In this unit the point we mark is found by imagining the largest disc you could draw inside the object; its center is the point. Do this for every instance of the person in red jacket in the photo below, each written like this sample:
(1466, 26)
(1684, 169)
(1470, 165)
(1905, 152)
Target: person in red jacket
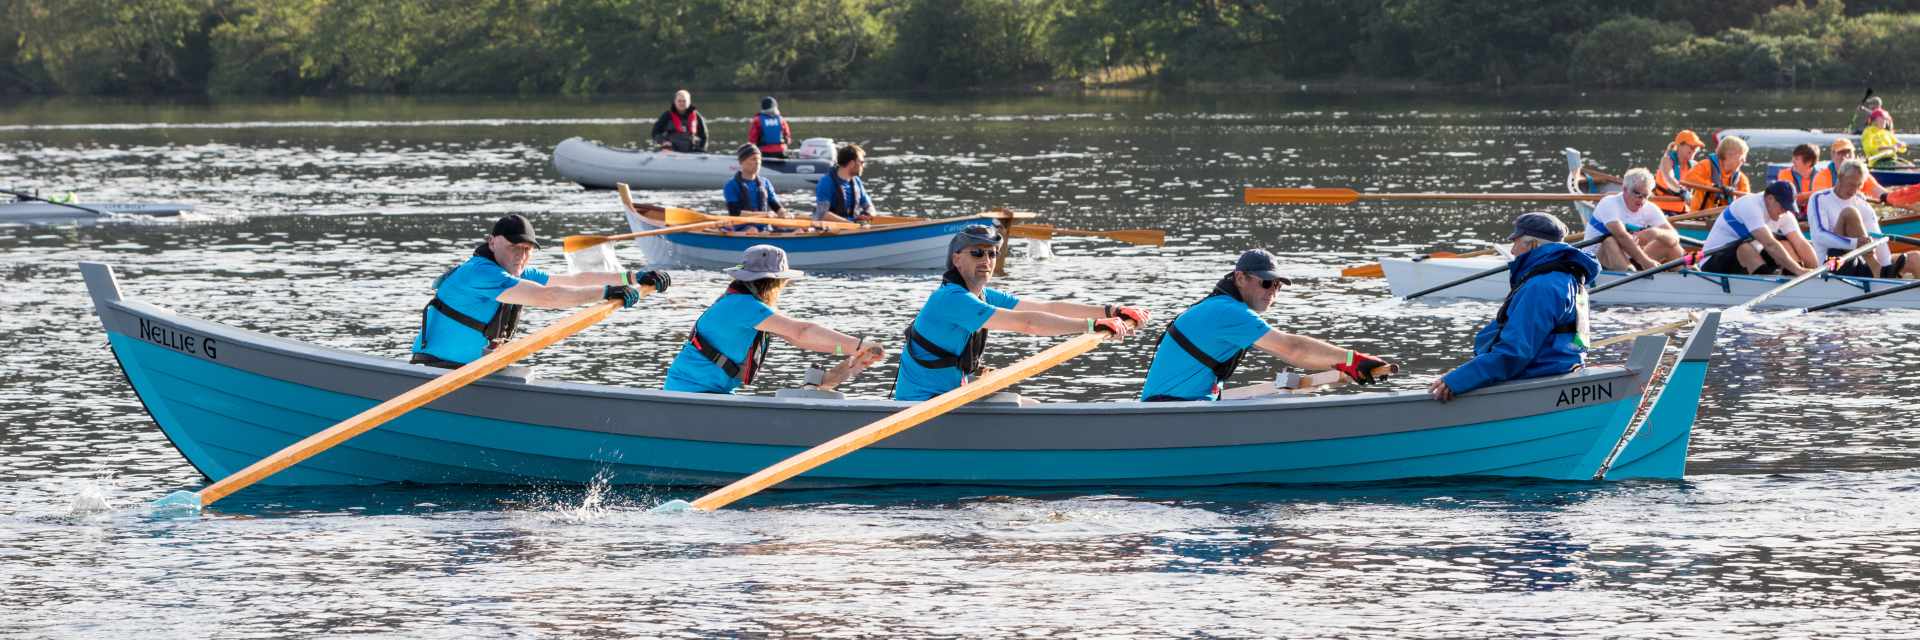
(768, 131)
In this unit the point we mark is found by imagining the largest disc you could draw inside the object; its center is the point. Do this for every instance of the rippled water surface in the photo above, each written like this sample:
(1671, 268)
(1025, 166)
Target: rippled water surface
(323, 221)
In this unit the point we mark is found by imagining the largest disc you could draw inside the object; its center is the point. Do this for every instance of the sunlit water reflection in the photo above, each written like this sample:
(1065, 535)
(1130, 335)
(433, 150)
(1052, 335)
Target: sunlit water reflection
(323, 222)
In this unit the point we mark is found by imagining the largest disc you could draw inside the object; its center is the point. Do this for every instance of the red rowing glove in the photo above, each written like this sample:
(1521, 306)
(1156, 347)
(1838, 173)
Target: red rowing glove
(1109, 325)
(1360, 366)
(1138, 316)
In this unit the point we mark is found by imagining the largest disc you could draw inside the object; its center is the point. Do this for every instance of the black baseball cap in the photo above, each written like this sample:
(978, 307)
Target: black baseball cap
(1785, 195)
(516, 229)
(1260, 264)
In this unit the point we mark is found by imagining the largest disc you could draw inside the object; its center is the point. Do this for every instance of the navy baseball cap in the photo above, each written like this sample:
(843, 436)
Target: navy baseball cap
(1783, 193)
(1538, 225)
(516, 229)
(1260, 264)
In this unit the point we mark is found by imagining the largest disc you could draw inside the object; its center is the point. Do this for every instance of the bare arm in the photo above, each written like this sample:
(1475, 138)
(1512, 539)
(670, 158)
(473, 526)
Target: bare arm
(809, 336)
(1622, 239)
(587, 279)
(1301, 351)
(1782, 255)
(1063, 308)
(534, 294)
(1036, 323)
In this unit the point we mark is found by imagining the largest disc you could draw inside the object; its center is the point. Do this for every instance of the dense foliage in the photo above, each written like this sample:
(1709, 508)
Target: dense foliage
(582, 47)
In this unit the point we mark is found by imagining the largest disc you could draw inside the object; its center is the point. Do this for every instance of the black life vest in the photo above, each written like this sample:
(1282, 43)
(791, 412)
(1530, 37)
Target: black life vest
(756, 350)
(839, 204)
(968, 360)
(1222, 369)
(497, 329)
(1569, 267)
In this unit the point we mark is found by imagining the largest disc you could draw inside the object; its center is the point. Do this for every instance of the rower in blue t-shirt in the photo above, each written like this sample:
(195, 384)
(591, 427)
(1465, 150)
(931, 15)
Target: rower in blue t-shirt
(841, 196)
(946, 340)
(729, 341)
(1204, 345)
(476, 305)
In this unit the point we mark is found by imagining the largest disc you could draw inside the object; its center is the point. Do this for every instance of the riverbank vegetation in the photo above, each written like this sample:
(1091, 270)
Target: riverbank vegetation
(586, 47)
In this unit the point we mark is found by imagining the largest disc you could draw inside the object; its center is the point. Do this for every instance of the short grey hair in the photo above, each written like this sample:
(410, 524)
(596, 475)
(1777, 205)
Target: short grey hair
(1533, 242)
(1849, 168)
(1637, 176)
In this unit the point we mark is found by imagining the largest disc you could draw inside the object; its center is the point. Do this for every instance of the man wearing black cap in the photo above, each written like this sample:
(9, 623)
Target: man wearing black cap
(947, 339)
(1204, 345)
(1768, 232)
(1541, 328)
(476, 305)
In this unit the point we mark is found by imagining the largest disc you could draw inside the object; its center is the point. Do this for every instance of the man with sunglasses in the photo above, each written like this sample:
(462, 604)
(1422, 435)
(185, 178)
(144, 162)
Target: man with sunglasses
(1637, 233)
(946, 340)
(1541, 328)
(1204, 345)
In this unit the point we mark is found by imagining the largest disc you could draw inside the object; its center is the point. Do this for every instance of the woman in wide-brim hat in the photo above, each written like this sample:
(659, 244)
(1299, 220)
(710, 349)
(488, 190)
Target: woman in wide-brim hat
(728, 344)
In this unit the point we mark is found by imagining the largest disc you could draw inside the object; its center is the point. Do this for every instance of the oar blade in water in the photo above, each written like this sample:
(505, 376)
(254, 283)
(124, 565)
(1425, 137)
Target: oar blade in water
(177, 502)
(672, 506)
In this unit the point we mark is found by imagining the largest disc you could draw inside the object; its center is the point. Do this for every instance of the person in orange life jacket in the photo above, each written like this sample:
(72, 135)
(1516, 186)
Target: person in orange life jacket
(1841, 151)
(768, 130)
(1840, 220)
(1637, 233)
(1541, 328)
(947, 338)
(841, 196)
(680, 127)
(749, 193)
(1806, 163)
(1767, 232)
(1717, 180)
(729, 341)
(1674, 164)
(1204, 345)
(476, 305)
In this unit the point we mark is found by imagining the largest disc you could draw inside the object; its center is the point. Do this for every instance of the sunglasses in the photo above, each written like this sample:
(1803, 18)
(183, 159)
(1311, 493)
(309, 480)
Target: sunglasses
(1269, 284)
(1640, 194)
(984, 253)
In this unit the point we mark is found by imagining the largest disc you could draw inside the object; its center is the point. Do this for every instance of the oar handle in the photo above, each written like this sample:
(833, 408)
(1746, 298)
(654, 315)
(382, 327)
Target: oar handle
(417, 397)
(892, 424)
(1667, 266)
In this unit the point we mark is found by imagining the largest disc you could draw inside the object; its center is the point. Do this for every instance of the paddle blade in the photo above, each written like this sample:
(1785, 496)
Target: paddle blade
(677, 216)
(1274, 195)
(598, 258)
(576, 243)
(672, 506)
(1904, 197)
(178, 502)
(1146, 237)
(1364, 271)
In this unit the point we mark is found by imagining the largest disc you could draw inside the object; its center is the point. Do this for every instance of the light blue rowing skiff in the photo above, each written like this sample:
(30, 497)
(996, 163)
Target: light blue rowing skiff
(227, 397)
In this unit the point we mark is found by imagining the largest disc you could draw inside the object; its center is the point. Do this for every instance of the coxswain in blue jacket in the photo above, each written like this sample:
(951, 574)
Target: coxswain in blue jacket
(729, 341)
(1203, 346)
(476, 305)
(841, 196)
(768, 129)
(946, 340)
(749, 193)
(680, 127)
(1541, 328)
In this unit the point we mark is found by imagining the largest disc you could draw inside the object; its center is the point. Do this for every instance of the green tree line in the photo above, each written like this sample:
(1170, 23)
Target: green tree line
(586, 47)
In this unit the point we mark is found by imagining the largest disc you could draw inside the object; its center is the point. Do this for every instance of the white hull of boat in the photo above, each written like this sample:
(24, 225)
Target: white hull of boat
(49, 213)
(1674, 289)
(1789, 138)
(599, 167)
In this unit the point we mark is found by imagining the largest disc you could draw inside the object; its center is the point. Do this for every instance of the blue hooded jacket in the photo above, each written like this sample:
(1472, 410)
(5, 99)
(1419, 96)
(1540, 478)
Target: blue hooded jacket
(1526, 346)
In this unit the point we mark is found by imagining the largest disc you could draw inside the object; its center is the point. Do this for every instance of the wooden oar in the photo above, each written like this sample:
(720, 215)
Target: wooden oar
(1482, 274)
(1151, 237)
(1864, 296)
(575, 243)
(679, 216)
(1374, 270)
(68, 205)
(1690, 319)
(1809, 275)
(1334, 195)
(898, 422)
(393, 408)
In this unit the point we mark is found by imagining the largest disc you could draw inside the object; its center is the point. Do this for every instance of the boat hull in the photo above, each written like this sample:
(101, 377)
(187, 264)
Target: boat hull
(1789, 138)
(49, 213)
(227, 397)
(912, 246)
(595, 166)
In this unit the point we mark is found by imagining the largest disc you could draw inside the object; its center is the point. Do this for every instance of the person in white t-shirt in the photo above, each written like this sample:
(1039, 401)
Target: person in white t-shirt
(1841, 219)
(1768, 233)
(1638, 236)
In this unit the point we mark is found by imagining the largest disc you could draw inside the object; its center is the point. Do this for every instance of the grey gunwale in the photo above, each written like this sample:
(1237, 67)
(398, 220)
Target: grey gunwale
(803, 422)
